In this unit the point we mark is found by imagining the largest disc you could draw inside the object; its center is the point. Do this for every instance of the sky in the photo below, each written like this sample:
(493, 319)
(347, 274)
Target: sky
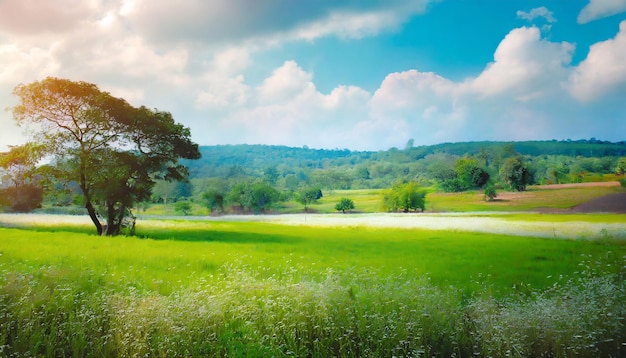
(355, 74)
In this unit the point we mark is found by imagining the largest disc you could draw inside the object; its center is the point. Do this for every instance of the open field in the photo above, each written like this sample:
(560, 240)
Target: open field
(544, 198)
(333, 285)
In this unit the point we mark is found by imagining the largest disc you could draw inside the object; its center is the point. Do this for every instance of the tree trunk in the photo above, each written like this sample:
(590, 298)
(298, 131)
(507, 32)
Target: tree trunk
(114, 219)
(88, 205)
(93, 215)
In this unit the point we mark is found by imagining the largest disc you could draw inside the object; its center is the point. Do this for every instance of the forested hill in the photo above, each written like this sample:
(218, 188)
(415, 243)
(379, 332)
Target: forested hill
(235, 160)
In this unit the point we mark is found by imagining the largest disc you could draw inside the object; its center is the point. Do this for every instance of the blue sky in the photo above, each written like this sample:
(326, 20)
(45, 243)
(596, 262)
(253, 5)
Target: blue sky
(367, 74)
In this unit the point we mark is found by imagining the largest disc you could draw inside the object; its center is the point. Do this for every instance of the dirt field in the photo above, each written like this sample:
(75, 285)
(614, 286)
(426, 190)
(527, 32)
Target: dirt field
(614, 203)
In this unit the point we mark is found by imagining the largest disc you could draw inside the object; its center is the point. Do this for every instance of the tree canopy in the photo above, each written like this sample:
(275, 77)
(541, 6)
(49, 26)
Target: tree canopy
(114, 151)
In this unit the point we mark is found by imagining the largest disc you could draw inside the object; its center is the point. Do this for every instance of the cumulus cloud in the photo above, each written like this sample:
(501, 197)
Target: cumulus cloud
(525, 66)
(604, 69)
(539, 12)
(506, 101)
(597, 9)
(289, 109)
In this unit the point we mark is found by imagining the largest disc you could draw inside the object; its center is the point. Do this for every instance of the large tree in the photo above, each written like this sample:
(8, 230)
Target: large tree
(114, 151)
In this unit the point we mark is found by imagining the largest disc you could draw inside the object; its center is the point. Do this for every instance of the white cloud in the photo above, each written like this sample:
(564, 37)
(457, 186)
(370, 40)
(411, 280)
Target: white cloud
(222, 92)
(525, 66)
(231, 60)
(288, 82)
(542, 12)
(422, 102)
(604, 69)
(597, 9)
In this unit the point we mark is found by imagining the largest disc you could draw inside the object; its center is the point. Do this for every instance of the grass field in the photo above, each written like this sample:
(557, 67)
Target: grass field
(211, 288)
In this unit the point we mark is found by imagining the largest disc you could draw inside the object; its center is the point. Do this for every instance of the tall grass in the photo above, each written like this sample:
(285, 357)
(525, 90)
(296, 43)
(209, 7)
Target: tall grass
(348, 314)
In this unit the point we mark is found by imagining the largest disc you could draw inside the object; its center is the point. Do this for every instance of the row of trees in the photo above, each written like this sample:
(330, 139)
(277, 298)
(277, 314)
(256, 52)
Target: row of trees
(254, 196)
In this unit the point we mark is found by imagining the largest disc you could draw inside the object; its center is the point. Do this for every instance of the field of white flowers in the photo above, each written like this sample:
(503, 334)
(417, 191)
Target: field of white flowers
(579, 227)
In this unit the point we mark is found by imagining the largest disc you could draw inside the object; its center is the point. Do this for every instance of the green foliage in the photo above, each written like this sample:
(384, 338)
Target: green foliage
(490, 192)
(515, 173)
(344, 204)
(621, 166)
(183, 207)
(470, 174)
(113, 150)
(257, 196)
(405, 197)
(308, 195)
(214, 200)
(263, 196)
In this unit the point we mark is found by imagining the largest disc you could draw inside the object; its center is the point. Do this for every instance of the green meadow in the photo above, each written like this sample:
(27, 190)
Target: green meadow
(370, 201)
(211, 288)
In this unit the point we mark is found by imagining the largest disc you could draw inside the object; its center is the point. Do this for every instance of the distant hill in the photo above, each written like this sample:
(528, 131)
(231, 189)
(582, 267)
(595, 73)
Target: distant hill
(585, 148)
(228, 160)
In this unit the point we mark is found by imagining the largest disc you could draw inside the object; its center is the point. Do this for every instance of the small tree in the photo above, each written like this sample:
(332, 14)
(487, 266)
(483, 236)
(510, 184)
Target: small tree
(490, 192)
(344, 204)
(405, 197)
(470, 174)
(308, 196)
(214, 200)
(263, 196)
(515, 173)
